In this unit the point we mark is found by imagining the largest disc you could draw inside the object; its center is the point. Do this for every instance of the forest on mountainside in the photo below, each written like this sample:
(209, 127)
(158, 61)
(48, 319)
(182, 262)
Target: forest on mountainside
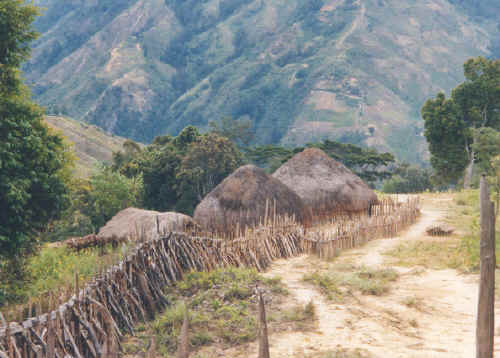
(299, 72)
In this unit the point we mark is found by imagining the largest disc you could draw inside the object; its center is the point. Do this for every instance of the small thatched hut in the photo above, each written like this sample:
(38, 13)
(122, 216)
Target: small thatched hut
(138, 224)
(326, 186)
(241, 199)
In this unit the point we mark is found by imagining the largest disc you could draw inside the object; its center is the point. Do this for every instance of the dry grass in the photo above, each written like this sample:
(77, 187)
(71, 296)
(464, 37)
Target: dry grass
(414, 302)
(435, 254)
(459, 251)
(341, 281)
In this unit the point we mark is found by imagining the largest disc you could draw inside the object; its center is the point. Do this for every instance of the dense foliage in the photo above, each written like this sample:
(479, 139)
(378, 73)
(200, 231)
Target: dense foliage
(33, 161)
(452, 125)
(408, 179)
(178, 172)
(369, 164)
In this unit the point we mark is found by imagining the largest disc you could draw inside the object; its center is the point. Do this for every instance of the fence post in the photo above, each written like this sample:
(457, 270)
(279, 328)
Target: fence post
(183, 350)
(263, 338)
(486, 304)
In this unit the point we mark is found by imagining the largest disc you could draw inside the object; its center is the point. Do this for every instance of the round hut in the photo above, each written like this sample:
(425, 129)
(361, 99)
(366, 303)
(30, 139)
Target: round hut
(326, 186)
(138, 224)
(244, 199)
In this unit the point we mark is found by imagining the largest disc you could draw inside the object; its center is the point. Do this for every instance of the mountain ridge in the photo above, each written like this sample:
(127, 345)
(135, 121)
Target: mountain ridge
(347, 70)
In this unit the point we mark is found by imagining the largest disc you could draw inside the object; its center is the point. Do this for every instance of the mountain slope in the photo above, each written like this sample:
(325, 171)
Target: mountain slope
(90, 144)
(357, 71)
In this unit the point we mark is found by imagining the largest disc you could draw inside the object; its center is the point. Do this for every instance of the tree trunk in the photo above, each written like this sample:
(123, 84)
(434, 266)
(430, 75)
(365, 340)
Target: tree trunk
(469, 171)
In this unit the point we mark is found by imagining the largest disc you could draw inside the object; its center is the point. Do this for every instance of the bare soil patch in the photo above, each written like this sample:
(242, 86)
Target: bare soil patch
(426, 313)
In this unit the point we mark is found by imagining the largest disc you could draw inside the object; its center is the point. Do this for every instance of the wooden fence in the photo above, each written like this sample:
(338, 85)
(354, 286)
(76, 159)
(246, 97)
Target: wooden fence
(385, 220)
(92, 321)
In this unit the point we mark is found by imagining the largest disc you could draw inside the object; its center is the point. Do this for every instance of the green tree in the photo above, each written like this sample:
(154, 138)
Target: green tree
(109, 193)
(179, 171)
(125, 161)
(208, 161)
(408, 179)
(486, 147)
(450, 125)
(369, 164)
(33, 161)
(446, 134)
(159, 165)
(238, 131)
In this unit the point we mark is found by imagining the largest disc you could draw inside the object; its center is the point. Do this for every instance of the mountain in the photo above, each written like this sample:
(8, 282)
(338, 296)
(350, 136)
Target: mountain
(352, 70)
(90, 144)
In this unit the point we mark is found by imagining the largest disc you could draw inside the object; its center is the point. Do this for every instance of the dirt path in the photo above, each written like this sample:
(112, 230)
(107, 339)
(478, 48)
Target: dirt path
(428, 313)
(355, 24)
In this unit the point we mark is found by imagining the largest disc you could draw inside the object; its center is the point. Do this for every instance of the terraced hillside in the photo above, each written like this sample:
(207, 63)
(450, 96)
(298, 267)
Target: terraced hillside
(354, 70)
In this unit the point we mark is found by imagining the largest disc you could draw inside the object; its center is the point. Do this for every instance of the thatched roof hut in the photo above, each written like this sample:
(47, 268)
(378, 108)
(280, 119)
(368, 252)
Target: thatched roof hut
(138, 224)
(326, 186)
(241, 200)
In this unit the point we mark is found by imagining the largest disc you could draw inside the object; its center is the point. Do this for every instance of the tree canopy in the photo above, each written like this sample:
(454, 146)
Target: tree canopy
(367, 163)
(33, 161)
(451, 124)
(177, 172)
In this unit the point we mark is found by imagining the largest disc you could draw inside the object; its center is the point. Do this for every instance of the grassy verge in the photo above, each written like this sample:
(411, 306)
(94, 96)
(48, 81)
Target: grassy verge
(53, 269)
(341, 281)
(460, 251)
(222, 309)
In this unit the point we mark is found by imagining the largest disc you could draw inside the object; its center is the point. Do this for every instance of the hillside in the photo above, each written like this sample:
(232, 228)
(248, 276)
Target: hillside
(351, 70)
(90, 143)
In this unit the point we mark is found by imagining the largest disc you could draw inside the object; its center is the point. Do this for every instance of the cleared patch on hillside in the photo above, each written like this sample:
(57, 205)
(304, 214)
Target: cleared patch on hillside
(90, 143)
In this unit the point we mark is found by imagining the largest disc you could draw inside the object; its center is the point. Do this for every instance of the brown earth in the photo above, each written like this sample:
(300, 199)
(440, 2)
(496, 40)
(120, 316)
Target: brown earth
(427, 313)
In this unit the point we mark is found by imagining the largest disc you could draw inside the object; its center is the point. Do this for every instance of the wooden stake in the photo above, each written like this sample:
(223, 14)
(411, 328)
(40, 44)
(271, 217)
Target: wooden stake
(263, 337)
(485, 328)
(183, 351)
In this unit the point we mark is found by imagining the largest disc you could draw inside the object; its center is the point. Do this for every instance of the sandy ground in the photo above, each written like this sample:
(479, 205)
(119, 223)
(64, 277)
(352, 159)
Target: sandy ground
(441, 324)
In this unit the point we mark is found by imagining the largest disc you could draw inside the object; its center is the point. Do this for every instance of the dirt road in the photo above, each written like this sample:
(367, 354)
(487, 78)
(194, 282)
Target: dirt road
(427, 313)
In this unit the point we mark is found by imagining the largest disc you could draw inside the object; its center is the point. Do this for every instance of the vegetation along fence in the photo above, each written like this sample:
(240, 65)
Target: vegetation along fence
(92, 321)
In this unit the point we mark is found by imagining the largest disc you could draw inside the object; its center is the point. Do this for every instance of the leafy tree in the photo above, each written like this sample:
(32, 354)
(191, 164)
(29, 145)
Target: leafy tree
(494, 180)
(487, 146)
(367, 163)
(16, 34)
(446, 135)
(33, 161)
(109, 193)
(238, 131)
(408, 179)
(270, 157)
(177, 172)
(370, 165)
(208, 161)
(450, 124)
(159, 165)
(124, 161)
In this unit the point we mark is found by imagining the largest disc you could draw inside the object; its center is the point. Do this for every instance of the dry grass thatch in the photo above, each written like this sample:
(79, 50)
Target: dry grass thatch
(246, 198)
(131, 223)
(326, 186)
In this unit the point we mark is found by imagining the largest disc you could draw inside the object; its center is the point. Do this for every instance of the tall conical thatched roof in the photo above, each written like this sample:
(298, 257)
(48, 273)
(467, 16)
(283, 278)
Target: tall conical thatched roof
(241, 200)
(325, 185)
(133, 224)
